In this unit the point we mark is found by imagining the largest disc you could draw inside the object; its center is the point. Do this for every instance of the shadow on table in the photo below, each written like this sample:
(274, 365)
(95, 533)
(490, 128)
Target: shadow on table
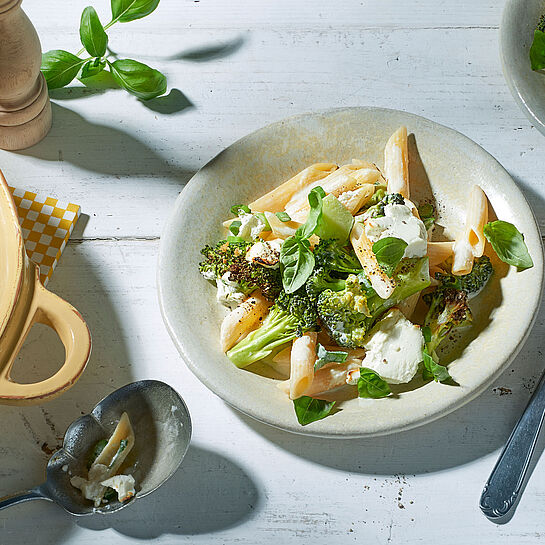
(471, 432)
(207, 494)
(88, 145)
(30, 434)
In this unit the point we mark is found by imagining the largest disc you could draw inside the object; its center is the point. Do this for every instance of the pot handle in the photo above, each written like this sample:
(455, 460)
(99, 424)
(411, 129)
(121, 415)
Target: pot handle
(49, 309)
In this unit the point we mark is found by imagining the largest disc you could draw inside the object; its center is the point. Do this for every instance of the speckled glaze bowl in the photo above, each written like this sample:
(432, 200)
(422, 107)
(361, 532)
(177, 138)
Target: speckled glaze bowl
(442, 161)
(519, 20)
(24, 302)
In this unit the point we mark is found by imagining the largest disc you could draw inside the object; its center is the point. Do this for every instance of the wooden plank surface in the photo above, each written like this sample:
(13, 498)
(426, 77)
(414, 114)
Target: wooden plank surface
(235, 67)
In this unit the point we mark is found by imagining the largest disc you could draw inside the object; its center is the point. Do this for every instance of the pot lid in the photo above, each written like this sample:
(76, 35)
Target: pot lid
(11, 254)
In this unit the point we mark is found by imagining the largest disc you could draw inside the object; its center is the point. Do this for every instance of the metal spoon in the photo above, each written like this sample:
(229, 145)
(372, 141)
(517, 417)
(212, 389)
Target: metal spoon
(162, 429)
(502, 490)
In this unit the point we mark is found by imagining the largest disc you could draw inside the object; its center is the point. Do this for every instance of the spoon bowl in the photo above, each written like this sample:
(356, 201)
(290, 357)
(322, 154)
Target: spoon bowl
(162, 429)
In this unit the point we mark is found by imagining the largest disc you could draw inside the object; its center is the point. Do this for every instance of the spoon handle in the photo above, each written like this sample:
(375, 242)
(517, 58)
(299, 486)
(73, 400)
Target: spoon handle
(506, 480)
(34, 494)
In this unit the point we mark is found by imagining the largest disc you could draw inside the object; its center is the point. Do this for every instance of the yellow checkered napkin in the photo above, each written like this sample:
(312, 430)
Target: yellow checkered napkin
(47, 224)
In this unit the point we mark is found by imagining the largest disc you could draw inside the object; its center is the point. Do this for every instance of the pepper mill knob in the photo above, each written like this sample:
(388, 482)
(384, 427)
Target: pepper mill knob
(25, 110)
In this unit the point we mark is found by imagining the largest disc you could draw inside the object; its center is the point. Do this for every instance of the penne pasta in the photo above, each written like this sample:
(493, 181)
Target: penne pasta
(281, 229)
(471, 242)
(275, 200)
(439, 252)
(355, 199)
(396, 163)
(303, 356)
(381, 282)
(243, 319)
(346, 178)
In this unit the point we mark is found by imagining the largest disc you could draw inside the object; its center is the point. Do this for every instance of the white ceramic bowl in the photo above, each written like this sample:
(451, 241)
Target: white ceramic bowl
(519, 20)
(504, 312)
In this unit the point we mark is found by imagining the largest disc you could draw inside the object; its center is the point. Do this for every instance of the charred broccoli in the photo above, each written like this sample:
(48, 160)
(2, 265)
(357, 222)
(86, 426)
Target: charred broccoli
(321, 280)
(292, 315)
(230, 257)
(332, 256)
(448, 310)
(349, 314)
(471, 283)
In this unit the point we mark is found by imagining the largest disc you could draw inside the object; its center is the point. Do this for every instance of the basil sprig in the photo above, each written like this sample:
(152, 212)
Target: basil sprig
(370, 385)
(328, 356)
(389, 252)
(61, 67)
(308, 409)
(508, 243)
(296, 257)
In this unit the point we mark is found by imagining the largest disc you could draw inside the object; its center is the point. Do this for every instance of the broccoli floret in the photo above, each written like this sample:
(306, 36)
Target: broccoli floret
(378, 195)
(292, 315)
(349, 314)
(230, 256)
(541, 24)
(321, 280)
(332, 256)
(448, 310)
(377, 210)
(471, 283)
(426, 211)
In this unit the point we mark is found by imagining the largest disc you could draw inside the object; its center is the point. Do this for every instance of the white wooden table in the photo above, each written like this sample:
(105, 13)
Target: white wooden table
(241, 65)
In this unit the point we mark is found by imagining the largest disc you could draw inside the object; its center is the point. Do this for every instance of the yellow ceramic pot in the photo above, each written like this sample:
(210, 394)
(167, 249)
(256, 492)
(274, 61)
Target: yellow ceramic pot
(23, 302)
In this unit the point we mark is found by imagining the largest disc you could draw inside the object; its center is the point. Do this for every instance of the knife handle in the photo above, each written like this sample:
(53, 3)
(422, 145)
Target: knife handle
(505, 483)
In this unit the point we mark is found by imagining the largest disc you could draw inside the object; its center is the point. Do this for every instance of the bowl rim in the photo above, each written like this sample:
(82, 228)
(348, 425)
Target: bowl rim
(263, 416)
(11, 238)
(518, 91)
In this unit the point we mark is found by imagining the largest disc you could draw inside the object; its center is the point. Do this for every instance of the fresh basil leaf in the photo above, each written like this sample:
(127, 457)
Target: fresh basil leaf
(125, 11)
(237, 208)
(371, 385)
(328, 356)
(296, 263)
(433, 370)
(308, 409)
(389, 252)
(508, 243)
(92, 67)
(283, 216)
(264, 219)
(138, 79)
(60, 67)
(315, 197)
(91, 33)
(235, 227)
(537, 50)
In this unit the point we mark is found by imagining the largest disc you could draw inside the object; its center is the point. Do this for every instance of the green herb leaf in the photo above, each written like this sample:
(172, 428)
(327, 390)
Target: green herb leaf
(125, 11)
(95, 452)
(283, 216)
(92, 67)
(60, 67)
(264, 219)
(371, 385)
(235, 239)
(433, 370)
(138, 78)
(91, 33)
(296, 263)
(537, 50)
(235, 227)
(508, 243)
(328, 356)
(237, 208)
(389, 252)
(315, 214)
(308, 409)
(426, 212)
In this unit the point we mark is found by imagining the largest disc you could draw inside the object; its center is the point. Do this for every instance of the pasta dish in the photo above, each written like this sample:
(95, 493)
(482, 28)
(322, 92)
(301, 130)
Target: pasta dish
(321, 277)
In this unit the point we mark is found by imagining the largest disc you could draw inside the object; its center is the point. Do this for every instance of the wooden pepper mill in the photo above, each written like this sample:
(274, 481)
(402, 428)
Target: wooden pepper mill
(25, 110)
